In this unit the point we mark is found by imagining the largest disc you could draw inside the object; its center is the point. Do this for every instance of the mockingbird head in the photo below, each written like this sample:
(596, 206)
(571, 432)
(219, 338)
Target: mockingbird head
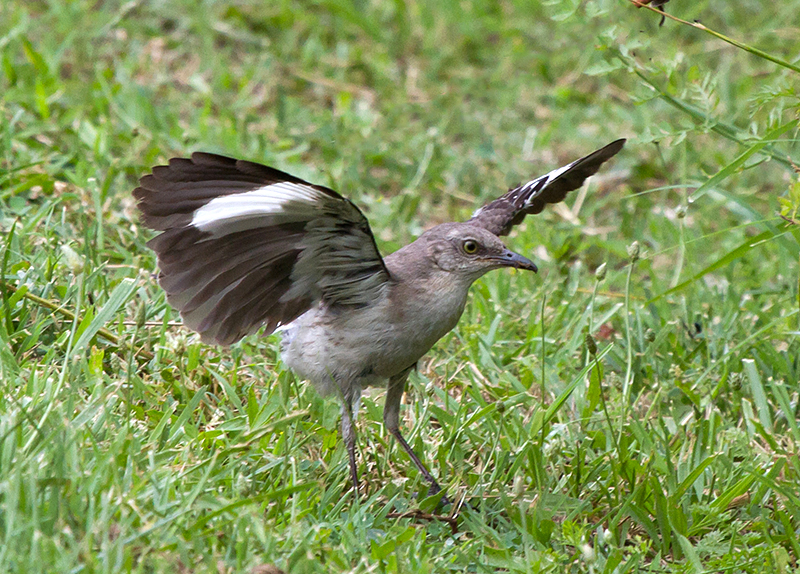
(470, 251)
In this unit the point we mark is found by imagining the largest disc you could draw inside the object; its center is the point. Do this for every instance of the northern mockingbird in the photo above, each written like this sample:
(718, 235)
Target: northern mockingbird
(247, 247)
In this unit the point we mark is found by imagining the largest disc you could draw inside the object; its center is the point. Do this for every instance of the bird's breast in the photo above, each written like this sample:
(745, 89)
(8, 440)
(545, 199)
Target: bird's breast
(420, 315)
(372, 343)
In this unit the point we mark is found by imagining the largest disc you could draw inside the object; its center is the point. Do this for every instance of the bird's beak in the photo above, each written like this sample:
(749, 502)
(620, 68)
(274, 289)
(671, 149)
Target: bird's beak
(517, 261)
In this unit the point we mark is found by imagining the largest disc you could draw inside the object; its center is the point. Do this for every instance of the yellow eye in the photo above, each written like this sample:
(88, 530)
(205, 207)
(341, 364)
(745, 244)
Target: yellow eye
(470, 246)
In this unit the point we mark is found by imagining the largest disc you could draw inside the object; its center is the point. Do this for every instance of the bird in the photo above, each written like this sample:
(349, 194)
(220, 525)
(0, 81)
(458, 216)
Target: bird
(244, 248)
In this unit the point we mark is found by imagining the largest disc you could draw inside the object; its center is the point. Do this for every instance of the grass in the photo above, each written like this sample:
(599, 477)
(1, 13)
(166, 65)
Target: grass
(128, 446)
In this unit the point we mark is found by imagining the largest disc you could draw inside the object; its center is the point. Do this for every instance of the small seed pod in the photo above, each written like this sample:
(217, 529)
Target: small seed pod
(633, 251)
(591, 346)
(72, 259)
(141, 315)
(519, 486)
(600, 272)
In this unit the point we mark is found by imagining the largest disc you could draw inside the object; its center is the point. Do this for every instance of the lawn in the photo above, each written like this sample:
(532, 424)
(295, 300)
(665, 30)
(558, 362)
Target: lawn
(643, 418)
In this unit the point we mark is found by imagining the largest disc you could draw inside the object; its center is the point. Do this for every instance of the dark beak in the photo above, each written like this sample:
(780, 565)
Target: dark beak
(517, 261)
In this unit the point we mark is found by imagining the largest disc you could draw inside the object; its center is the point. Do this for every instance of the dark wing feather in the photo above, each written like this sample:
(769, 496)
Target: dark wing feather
(500, 215)
(245, 245)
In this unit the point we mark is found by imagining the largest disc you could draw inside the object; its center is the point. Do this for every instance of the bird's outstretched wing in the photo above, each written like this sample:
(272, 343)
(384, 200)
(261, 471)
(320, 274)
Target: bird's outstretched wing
(500, 215)
(245, 245)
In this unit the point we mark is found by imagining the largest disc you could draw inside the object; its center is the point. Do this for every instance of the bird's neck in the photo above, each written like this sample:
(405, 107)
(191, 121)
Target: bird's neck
(424, 294)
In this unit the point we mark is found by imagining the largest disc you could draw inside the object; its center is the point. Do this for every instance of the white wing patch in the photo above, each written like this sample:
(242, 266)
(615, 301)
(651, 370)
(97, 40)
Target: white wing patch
(532, 189)
(556, 172)
(502, 214)
(548, 179)
(229, 213)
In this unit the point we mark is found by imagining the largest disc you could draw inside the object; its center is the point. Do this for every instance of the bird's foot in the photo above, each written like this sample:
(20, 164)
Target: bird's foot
(436, 489)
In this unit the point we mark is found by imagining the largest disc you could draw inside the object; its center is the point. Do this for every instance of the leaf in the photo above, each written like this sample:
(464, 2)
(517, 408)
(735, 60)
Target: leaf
(9, 367)
(691, 555)
(734, 166)
(565, 394)
(118, 297)
(690, 480)
(177, 426)
(348, 12)
(729, 257)
(759, 395)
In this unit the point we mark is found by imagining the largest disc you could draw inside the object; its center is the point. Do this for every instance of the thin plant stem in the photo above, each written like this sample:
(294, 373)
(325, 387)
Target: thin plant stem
(607, 416)
(590, 326)
(731, 41)
(676, 276)
(629, 341)
(541, 318)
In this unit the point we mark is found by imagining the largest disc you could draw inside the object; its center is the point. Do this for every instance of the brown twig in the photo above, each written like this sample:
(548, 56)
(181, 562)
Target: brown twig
(419, 515)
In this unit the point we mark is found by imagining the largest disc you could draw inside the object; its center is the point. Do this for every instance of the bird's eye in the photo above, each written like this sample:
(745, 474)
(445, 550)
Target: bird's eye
(470, 246)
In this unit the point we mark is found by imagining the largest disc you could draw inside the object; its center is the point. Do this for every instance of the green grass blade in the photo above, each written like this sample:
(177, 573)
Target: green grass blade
(737, 163)
(728, 258)
(117, 299)
(556, 405)
(759, 395)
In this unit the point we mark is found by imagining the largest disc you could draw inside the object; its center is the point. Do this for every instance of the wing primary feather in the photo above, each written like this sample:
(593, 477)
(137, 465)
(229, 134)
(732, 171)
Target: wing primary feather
(500, 215)
(245, 245)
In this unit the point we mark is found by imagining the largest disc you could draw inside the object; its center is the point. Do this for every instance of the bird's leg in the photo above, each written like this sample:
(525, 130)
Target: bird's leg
(349, 435)
(391, 419)
(350, 395)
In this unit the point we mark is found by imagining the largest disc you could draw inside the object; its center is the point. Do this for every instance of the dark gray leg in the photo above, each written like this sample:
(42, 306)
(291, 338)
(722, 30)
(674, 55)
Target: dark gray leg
(349, 435)
(391, 419)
